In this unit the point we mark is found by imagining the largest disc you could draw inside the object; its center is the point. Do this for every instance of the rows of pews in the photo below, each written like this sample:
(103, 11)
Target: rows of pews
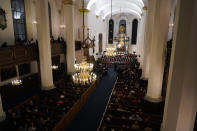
(119, 59)
(125, 110)
(50, 110)
(12, 95)
(46, 109)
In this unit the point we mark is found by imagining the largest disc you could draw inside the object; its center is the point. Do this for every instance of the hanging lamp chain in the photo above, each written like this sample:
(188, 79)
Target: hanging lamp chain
(111, 9)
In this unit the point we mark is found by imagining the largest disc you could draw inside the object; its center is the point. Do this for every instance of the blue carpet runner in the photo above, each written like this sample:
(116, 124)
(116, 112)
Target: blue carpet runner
(90, 115)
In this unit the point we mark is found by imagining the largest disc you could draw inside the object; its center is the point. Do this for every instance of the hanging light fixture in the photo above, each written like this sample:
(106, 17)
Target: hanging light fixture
(17, 82)
(54, 67)
(110, 51)
(84, 74)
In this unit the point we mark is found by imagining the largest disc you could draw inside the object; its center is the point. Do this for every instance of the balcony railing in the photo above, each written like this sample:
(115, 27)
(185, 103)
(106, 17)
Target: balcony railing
(14, 55)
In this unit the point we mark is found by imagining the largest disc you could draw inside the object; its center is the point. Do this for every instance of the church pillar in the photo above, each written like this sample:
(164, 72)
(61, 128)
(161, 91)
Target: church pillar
(44, 44)
(148, 38)
(180, 104)
(70, 37)
(2, 113)
(159, 39)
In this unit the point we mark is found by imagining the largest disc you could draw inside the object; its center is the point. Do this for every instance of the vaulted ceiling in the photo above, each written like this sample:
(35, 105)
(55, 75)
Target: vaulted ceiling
(103, 7)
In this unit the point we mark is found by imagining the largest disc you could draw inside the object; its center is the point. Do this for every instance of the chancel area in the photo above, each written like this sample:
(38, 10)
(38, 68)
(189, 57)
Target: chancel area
(98, 65)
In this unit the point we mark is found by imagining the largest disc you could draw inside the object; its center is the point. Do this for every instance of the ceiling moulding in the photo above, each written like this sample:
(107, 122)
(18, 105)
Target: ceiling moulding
(145, 8)
(68, 2)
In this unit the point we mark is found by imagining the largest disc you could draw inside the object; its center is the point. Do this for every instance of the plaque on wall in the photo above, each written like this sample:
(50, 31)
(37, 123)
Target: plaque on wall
(100, 42)
(3, 22)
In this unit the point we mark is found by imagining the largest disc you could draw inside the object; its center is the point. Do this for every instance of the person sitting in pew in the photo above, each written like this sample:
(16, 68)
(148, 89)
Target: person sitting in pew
(135, 126)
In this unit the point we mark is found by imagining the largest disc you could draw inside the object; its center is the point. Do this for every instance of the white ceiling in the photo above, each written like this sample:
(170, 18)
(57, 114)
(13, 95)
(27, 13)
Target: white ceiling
(103, 7)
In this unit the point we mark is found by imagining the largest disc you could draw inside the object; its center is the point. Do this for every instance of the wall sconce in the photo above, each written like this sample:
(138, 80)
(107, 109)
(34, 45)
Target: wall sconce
(171, 25)
(62, 26)
(34, 22)
(54, 67)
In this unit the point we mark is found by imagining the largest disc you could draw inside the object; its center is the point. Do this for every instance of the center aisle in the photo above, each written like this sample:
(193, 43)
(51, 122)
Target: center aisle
(90, 115)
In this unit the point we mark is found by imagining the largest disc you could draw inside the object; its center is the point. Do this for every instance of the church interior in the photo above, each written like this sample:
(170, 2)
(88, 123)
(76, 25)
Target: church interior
(98, 65)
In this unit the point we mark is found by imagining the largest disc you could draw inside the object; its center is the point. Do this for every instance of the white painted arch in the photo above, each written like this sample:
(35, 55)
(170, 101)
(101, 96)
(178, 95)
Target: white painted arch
(103, 7)
(125, 10)
(140, 3)
(116, 5)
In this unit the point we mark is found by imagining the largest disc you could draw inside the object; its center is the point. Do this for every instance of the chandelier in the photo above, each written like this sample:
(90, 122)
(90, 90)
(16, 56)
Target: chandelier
(84, 74)
(16, 82)
(84, 66)
(110, 51)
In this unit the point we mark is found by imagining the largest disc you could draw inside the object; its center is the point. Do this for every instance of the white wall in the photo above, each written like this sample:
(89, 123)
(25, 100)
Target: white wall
(96, 26)
(7, 35)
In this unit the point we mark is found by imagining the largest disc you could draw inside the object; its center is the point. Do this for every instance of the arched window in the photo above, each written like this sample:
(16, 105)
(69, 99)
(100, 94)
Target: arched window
(19, 23)
(134, 32)
(111, 31)
(50, 23)
(123, 24)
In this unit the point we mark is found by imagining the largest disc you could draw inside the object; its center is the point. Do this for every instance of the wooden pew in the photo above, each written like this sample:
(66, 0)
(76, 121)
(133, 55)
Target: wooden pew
(65, 121)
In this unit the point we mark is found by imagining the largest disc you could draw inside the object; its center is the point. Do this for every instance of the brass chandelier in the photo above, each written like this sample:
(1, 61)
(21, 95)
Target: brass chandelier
(110, 51)
(84, 74)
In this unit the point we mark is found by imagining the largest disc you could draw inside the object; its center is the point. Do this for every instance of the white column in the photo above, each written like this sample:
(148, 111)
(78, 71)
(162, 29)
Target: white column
(70, 37)
(141, 39)
(2, 113)
(157, 59)
(180, 106)
(44, 44)
(148, 38)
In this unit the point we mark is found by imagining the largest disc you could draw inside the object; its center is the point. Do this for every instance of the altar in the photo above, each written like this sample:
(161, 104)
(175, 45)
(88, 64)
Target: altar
(121, 40)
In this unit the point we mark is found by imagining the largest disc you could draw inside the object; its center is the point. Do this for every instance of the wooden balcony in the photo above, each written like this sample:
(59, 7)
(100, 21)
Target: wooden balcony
(14, 55)
(58, 48)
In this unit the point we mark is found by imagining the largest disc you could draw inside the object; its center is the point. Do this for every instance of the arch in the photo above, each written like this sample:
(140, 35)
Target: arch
(140, 3)
(90, 3)
(117, 5)
(125, 10)
(122, 23)
(134, 32)
(111, 31)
